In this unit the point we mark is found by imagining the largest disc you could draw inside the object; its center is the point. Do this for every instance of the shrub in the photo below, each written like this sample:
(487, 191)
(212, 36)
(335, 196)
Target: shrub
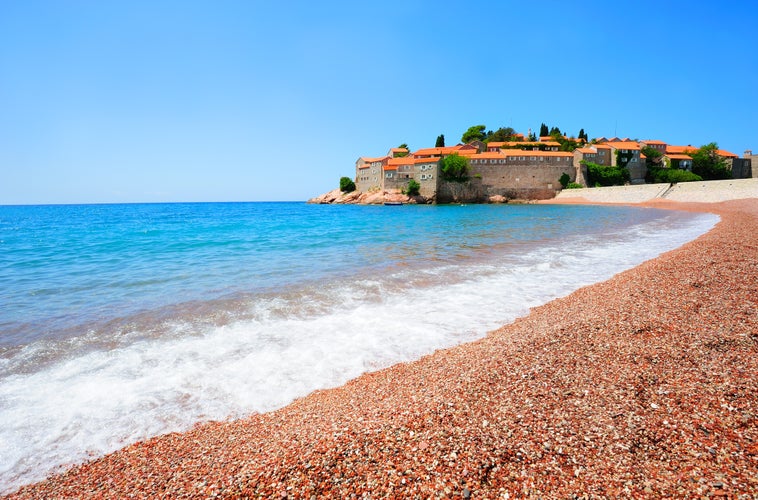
(574, 185)
(600, 175)
(670, 175)
(347, 185)
(564, 180)
(413, 188)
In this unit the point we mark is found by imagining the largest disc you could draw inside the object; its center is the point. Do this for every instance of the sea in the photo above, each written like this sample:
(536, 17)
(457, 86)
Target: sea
(123, 322)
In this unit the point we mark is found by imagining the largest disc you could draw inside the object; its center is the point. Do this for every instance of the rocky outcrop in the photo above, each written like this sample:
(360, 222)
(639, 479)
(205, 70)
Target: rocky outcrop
(371, 198)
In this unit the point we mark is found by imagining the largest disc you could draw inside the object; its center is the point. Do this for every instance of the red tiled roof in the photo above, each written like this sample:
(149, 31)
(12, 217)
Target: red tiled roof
(372, 160)
(400, 161)
(624, 145)
(680, 149)
(488, 155)
(519, 152)
(676, 156)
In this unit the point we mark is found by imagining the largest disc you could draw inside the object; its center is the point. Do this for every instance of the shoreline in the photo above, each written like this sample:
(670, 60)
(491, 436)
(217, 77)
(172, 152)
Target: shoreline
(645, 384)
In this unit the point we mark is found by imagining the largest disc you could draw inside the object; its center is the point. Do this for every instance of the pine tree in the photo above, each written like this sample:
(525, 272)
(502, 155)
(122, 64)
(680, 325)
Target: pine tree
(544, 130)
(440, 141)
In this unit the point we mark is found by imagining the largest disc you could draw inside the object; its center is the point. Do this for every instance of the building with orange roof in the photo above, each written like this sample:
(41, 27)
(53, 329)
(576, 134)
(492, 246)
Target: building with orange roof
(399, 171)
(444, 151)
(397, 152)
(628, 154)
(659, 146)
(517, 173)
(368, 172)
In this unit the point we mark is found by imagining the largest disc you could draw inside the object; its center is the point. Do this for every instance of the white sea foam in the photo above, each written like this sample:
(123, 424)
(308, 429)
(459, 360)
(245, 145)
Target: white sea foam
(97, 401)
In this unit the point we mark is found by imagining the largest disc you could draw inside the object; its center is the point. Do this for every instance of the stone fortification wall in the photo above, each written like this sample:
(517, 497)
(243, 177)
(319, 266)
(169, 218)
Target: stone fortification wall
(524, 179)
(470, 191)
(474, 191)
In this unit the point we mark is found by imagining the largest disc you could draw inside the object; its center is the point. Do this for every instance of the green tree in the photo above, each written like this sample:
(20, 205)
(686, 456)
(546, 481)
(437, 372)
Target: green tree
(708, 164)
(440, 143)
(583, 135)
(653, 157)
(544, 131)
(555, 131)
(454, 168)
(413, 188)
(503, 134)
(564, 180)
(347, 185)
(475, 133)
(531, 137)
(599, 175)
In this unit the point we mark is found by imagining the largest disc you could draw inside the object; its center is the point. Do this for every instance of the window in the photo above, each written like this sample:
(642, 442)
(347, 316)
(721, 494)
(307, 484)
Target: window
(542, 158)
(533, 158)
(389, 175)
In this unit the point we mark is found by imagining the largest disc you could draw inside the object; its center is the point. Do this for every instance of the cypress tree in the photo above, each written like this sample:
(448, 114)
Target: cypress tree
(440, 141)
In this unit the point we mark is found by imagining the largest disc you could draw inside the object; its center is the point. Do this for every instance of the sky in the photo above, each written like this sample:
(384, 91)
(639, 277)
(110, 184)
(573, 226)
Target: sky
(224, 100)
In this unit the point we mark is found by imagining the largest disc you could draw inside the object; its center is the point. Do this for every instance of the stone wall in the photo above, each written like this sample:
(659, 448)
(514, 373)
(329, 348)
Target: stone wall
(523, 178)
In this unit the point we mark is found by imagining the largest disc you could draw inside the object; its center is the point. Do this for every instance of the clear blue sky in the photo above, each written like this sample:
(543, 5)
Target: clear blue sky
(131, 101)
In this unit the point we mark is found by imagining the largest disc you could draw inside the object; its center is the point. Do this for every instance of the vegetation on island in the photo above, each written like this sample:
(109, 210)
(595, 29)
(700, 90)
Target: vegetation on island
(600, 175)
(708, 164)
(347, 185)
(413, 188)
(657, 174)
(474, 133)
(440, 142)
(564, 180)
(454, 168)
(480, 133)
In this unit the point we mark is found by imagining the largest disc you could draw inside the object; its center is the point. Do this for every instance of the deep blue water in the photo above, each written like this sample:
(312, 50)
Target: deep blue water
(119, 322)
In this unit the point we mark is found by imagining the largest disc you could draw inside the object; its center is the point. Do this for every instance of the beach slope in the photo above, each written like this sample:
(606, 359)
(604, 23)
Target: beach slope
(643, 385)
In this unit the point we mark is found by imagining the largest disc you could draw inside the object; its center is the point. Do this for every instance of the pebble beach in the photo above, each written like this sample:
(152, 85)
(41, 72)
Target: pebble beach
(645, 385)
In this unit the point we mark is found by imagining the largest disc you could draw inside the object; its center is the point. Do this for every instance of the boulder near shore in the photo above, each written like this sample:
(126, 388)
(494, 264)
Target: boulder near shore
(370, 198)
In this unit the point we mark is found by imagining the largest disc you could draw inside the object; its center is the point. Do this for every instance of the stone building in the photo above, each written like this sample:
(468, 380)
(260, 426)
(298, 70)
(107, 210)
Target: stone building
(399, 171)
(626, 153)
(368, 173)
(517, 173)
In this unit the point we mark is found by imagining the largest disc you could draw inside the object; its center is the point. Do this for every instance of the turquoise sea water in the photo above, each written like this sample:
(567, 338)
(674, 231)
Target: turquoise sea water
(119, 322)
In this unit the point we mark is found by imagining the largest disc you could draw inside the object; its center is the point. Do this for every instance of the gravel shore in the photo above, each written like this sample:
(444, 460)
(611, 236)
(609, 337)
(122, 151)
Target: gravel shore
(642, 386)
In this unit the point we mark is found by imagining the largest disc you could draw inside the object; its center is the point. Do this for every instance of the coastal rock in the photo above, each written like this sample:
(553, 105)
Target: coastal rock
(497, 198)
(370, 198)
(325, 198)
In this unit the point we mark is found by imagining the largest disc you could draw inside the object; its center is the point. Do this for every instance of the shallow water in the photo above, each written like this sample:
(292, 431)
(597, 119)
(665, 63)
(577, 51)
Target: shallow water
(120, 322)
